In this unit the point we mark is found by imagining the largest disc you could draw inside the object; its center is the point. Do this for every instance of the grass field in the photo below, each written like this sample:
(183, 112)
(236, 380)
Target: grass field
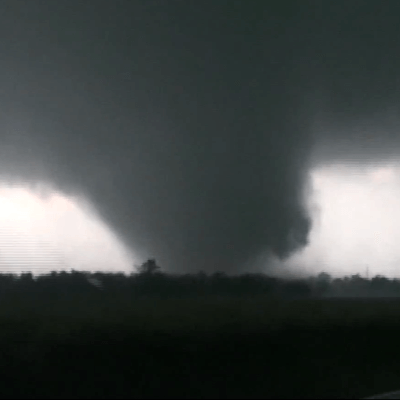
(200, 348)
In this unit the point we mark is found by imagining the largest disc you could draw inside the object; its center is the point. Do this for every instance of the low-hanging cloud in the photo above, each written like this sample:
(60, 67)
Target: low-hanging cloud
(189, 126)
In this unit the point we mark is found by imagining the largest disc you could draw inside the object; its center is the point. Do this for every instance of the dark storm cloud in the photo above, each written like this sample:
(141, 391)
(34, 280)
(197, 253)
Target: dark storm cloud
(187, 124)
(357, 66)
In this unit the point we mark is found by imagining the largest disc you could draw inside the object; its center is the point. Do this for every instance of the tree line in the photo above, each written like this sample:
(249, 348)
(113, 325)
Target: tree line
(150, 280)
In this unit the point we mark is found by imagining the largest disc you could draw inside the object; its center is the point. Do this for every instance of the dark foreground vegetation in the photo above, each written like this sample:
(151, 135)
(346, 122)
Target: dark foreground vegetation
(153, 335)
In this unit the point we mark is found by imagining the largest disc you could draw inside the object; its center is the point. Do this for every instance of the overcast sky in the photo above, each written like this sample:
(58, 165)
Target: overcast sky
(192, 129)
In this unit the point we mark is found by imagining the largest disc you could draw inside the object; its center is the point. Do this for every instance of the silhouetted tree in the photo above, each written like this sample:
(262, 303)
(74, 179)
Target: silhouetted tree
(322, 284)
(149, 267)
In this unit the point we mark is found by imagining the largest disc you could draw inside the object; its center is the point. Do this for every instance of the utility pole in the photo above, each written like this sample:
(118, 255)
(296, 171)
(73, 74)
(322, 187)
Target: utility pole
(367, 272)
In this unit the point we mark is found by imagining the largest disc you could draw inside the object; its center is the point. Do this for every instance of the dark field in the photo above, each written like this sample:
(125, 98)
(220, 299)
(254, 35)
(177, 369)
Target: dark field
(205, 348)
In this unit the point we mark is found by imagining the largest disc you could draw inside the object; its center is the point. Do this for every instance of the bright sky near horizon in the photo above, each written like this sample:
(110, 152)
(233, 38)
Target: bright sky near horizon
(44, 233)
(356, 221)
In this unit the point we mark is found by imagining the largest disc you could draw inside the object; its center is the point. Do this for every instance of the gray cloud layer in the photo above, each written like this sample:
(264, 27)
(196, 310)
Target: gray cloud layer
(190, 125)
